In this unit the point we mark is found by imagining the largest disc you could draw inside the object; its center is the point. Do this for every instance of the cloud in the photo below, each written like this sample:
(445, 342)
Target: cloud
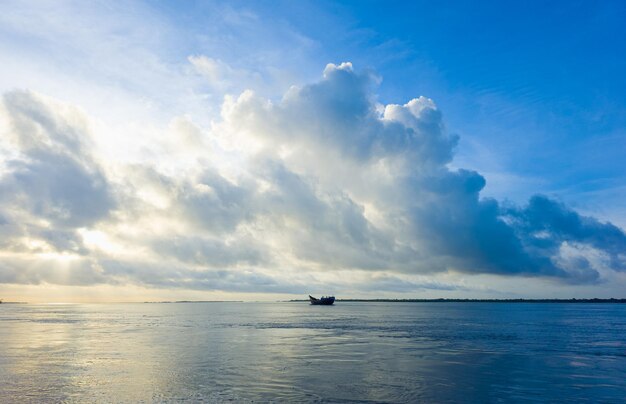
(52, 269)
(276, 196)
(50, 185)
(209, 251)
(394, 163)
(545, 225)
(220, 75)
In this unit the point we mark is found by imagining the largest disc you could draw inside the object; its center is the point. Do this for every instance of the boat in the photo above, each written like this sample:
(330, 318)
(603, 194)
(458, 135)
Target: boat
(324, 300)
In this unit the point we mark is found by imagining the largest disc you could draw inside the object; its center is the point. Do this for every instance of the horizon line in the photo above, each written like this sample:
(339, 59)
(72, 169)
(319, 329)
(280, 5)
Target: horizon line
(374, 300)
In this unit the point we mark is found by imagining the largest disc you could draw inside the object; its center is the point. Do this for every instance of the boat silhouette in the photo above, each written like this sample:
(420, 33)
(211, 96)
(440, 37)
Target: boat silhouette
(324, 300)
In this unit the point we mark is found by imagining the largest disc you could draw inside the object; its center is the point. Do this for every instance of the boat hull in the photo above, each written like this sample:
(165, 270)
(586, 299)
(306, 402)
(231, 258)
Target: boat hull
(324, 301)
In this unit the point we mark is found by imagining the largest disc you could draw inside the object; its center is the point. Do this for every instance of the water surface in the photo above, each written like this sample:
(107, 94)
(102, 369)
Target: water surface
(359, 352)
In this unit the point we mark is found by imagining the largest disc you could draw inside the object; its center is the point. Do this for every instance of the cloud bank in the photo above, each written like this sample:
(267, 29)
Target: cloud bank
(323, 188)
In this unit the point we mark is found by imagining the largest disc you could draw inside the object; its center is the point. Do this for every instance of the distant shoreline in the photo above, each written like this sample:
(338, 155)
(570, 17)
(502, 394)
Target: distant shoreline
(594, 300)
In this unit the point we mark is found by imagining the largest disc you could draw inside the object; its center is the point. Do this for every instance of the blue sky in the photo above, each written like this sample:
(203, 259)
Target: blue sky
(270, 149)
(536, 89)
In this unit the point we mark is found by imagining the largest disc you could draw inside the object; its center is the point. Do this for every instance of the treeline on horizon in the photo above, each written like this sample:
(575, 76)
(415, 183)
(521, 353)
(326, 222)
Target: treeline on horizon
(442, 300)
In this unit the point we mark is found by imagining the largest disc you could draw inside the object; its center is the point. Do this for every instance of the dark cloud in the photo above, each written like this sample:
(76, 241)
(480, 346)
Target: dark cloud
(545, 224)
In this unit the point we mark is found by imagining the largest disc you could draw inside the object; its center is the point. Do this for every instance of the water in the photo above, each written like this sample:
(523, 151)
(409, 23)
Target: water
(294, 352)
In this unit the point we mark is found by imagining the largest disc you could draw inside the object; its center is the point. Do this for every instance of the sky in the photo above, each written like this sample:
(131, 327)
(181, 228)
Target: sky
(273, 149)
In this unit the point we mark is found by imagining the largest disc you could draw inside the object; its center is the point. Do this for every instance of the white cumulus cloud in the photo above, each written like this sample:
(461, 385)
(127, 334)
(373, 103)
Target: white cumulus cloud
(274, 196)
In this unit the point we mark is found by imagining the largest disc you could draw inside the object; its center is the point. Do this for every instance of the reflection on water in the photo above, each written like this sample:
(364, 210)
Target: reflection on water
(377, 352)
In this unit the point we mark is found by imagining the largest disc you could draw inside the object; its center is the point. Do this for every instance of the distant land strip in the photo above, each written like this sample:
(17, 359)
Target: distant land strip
(594, 300)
